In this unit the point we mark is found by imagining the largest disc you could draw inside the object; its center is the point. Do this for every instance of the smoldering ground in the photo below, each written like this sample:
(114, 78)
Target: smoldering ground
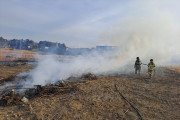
(51, 70)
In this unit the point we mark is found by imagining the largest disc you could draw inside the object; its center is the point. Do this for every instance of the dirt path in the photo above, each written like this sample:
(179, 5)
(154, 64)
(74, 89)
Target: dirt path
(156, 99)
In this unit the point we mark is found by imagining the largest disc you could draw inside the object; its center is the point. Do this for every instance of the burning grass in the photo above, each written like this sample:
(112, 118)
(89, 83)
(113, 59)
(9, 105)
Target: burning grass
(74, 100)
(8, 99)
(96, 97)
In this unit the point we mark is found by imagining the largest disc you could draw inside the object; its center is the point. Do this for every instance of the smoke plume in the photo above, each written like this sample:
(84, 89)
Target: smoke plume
(152, 35)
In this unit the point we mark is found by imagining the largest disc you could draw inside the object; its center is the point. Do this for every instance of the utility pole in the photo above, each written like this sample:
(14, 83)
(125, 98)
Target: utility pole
(20, 49)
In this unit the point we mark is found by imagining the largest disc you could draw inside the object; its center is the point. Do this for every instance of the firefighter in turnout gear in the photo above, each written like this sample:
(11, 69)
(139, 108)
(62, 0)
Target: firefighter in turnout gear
(151, 67)
(137, 65)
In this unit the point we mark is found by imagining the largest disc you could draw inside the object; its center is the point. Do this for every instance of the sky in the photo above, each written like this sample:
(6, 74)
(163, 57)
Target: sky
(86, 23)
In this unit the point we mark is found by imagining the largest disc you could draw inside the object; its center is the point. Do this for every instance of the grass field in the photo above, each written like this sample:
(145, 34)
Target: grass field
(84, 99)
(9, 55)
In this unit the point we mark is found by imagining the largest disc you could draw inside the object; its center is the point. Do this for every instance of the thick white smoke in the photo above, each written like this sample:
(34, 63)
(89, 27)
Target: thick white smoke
(145, 37)
(51, 70)
(150, 33)
(155, 35)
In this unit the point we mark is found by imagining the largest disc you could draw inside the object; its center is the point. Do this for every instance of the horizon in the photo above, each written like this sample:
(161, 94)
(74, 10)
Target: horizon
(82, 23)
(57, 42)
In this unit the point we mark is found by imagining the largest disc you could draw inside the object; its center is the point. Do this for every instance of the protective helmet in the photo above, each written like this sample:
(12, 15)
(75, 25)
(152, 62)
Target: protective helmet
(151, 59)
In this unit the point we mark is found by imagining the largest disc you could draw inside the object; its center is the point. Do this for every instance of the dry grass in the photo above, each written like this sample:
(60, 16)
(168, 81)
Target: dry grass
(8, 71)
(156, 99)
(10, 55)
(174, 68)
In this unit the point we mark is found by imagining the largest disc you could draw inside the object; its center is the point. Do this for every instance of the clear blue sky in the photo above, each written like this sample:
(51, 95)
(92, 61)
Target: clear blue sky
(77, 23)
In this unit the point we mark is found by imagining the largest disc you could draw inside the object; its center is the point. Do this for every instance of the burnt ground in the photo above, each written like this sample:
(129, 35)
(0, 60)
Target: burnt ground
(99, 98)
(8, 72)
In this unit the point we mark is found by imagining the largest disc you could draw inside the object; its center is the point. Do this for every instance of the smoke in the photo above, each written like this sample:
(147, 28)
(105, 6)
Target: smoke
(151, 35)
(51, 70)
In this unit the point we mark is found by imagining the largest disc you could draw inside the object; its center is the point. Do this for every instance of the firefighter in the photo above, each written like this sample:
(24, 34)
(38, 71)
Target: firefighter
(137, 65)
(151, 67)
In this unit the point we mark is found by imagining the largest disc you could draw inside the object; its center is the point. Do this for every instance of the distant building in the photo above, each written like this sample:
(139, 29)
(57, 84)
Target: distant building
(52, 47)
(22, 44)
(78, 51)
(104, 48)
(83, 51)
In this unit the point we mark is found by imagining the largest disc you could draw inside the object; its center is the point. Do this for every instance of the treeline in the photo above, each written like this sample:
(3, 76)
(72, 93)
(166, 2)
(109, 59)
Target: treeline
(27, 44)
(51, 47)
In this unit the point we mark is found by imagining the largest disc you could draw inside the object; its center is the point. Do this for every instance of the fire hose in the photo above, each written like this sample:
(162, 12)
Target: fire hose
(137, 111)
